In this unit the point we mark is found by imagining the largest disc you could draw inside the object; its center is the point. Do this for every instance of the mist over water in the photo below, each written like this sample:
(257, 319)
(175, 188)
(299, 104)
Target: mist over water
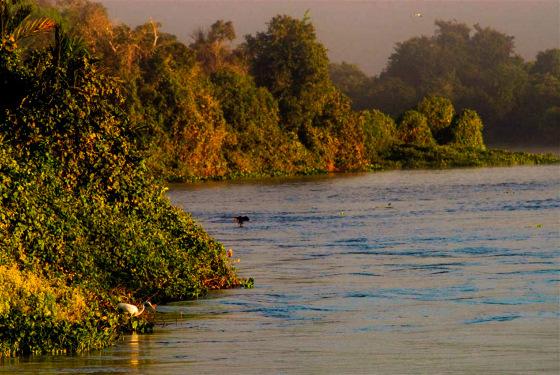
(359, 32)
(459, 274)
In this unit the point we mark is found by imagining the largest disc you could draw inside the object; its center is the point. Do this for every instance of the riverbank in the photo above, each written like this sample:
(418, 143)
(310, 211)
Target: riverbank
(83, 224)
(409, 157)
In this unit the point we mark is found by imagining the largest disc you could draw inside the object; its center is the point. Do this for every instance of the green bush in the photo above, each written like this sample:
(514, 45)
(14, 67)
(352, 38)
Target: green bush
(439, 112)
(380, 132)
(412, 156)
(413, 128)
(466, 130)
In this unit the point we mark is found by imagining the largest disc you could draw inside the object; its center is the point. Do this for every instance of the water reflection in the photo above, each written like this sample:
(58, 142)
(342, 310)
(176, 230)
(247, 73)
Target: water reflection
(459, 274)
(133, 350)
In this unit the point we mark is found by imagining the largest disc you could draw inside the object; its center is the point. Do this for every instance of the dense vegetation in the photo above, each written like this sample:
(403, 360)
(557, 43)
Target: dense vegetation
(269, 105)
(91, 111)
(83, 225)
(479, 69)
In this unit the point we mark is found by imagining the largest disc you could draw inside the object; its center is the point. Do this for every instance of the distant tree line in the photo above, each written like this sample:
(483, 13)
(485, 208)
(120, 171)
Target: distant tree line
(266, 106)
(475, 68)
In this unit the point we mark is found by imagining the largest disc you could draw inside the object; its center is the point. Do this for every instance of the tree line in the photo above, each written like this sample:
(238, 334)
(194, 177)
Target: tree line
(475, 68)
(275, 105)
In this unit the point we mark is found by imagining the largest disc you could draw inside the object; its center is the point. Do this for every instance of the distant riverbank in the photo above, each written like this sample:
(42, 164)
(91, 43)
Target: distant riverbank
(534, 149)
(413, 157)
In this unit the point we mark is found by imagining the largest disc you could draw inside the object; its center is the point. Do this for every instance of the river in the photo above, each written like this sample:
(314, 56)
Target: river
(402, 272)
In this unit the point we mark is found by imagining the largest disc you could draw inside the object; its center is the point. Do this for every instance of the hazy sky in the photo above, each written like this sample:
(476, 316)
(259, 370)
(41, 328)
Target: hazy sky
(360, 32)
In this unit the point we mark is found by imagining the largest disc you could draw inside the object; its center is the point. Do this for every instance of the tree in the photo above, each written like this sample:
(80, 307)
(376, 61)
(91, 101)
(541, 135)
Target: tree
(391, 95)
(349, 79)
(254, 143)
(380, 132)
(18, 23)
(185, 122)
(211, 47)
(412, 128)
(17, 26)
(473, 68)
(534, 118)
(466, 130)
(490, 47)
(548, 62)
(415, 62)
(70, 105)
(288, 60)
(439, 112)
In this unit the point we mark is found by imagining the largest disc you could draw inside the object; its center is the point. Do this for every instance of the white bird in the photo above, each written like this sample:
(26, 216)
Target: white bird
(151, 308)
(133, 310)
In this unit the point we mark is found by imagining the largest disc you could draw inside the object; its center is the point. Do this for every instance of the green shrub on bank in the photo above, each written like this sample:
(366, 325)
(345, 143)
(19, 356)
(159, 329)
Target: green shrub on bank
(412, 128)
(439, 112)
(466, 130)
(81, 217)
(379, 132)
(40, 315)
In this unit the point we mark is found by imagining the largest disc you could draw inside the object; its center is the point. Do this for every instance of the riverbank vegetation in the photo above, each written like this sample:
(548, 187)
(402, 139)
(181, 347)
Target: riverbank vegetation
(473, 67)
(83, 224)
(94, 116)
(275, 105)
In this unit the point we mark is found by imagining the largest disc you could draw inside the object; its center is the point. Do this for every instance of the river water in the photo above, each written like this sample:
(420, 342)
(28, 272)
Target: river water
(404, 272)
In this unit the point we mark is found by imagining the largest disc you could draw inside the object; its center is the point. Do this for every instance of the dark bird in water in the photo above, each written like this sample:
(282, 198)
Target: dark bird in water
(240, 220)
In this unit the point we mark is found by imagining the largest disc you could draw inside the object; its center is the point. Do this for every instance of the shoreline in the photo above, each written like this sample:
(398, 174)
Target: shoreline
(502, 158)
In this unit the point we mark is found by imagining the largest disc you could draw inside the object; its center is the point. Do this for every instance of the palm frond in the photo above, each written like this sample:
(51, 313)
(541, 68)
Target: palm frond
(31, 27)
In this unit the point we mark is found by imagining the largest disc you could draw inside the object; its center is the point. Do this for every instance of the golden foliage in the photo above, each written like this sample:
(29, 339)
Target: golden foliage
(31, 293)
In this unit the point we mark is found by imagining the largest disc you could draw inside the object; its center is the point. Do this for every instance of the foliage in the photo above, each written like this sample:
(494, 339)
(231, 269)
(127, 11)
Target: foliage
(548, 62)
(17, 23)
(439, 112)
(343, 133)
(380, 133)
(255, 143)
(80, 211)
(91, 111)
(46, 316)
(412, 128)
(211, 47)
(448, 156)
(288, 60)
(349, 79)
(535, 117)
(466, 130)
(473, 67)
